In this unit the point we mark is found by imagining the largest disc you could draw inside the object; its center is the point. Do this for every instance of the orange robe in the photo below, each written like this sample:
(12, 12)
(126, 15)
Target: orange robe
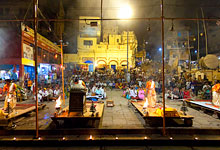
(151, 93)
(6, 89)
(216, 94)
(11, 95)
(216, 88)
(151, 88)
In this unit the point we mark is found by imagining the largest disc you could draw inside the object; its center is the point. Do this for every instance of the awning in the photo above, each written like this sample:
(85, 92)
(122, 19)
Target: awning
(88, 62)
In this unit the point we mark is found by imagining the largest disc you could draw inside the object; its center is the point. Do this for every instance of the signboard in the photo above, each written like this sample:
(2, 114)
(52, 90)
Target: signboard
(27, 62)
(28, 55)
(41, 40)
(28, 52)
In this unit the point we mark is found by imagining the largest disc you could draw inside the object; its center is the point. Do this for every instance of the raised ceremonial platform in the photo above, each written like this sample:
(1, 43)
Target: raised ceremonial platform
(205, 105)
(6, 120)
(154, 116)
(89, 118)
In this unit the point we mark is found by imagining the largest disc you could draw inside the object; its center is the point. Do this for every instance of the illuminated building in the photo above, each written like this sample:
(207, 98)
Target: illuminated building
(20, 44)
(111, 53)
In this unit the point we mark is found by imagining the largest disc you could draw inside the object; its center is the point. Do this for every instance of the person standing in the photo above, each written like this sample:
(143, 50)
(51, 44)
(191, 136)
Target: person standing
(29, 82)
(216, 94)
(10, 99)
(151, 93)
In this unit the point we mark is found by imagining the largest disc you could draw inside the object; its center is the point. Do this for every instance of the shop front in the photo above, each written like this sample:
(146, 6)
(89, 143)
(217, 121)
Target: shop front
(9, 72)
(48, 73)
(27, 61)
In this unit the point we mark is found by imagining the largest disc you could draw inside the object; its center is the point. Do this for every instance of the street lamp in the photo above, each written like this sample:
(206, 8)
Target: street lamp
(125, 12)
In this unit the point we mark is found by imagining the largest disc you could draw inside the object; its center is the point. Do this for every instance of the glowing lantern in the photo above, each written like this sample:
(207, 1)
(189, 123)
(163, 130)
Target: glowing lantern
(58, 103)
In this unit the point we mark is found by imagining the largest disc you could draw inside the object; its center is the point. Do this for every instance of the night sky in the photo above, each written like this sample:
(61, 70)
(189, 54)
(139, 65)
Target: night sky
(141, 9)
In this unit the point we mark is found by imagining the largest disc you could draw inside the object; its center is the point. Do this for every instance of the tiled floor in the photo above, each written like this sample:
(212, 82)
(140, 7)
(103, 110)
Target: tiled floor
(120, 116)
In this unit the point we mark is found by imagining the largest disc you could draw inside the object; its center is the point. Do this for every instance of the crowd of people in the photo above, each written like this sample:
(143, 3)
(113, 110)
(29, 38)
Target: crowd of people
(182, 88)
(97, 83)
(46, 94)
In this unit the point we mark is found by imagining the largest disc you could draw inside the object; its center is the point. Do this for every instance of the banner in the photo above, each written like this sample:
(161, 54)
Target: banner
(28, 52)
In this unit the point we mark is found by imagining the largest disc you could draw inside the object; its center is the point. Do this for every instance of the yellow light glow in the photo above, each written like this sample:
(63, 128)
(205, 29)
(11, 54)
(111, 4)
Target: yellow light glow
(125, 12)
(194, 39)
(90, 137)
(201, 34)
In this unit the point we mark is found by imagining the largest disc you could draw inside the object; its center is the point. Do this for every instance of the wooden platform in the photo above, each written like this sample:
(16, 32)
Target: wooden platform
(20, 109)
(152, 118)
(205, 105)
(66, 119)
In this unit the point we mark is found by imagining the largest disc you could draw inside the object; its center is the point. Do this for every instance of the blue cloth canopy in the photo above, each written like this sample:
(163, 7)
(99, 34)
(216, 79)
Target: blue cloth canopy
(88, 62)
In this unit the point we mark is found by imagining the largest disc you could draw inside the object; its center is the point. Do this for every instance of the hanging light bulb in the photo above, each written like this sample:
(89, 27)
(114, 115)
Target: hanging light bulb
(55, 56)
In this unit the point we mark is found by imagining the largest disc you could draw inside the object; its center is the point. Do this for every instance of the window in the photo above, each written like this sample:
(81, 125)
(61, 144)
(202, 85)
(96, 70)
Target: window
(88, 42)
(93, 24)
(45, 55)
(39, 51)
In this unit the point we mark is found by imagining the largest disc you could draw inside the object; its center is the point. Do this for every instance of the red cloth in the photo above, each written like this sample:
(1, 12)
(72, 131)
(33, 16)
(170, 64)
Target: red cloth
(134, 97)
(186, 94)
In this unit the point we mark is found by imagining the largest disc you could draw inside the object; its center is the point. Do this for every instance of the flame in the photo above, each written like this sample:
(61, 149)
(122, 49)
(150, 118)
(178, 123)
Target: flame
(146, 103)
(58, 102)
(90, 137)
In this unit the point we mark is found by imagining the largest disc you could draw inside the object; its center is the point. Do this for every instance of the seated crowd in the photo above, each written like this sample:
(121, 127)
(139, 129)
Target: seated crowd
(46, 94)
(189, 91)
(99, 91)
(134, 92)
